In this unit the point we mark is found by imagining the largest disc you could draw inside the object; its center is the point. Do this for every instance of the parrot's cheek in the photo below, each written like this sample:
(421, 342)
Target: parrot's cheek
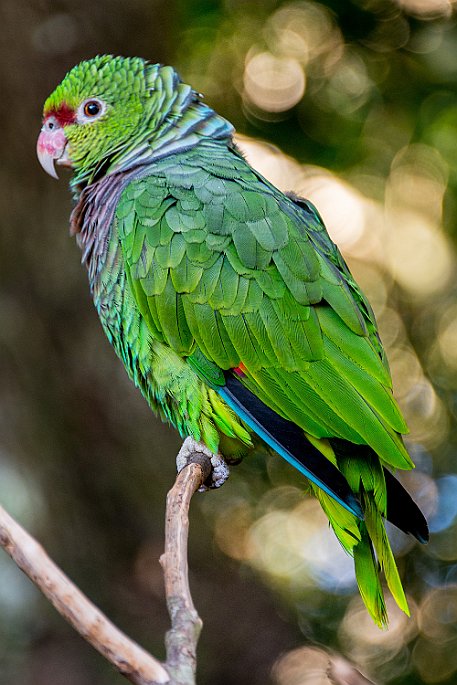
(51, 147)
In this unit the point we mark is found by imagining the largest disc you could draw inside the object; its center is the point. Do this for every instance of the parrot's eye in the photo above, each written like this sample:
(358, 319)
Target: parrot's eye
(90, 110)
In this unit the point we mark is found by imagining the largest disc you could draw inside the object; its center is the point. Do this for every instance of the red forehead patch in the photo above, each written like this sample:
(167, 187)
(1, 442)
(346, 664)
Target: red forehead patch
(64, 114)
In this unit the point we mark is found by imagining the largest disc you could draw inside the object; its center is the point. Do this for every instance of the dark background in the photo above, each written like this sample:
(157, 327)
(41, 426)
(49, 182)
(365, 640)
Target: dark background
(360, 97)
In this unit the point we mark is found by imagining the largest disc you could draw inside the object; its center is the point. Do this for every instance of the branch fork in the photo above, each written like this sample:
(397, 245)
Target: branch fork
(127, 657)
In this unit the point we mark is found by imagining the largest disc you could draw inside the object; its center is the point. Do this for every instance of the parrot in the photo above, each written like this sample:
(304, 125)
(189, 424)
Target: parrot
(231, 308)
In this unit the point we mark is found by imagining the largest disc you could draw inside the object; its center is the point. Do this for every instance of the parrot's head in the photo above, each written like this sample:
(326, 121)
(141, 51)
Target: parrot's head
(93, 113)
(107, 110)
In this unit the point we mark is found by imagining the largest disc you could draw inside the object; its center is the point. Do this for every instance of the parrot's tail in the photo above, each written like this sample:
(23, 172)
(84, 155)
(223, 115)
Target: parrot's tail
(403, 511)
(355, 491)
(381, 497)
(368, 543)
(288, 440)
(396, 504)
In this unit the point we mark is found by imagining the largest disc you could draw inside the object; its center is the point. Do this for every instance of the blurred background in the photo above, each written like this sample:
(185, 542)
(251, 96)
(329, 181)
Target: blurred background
(351, 103)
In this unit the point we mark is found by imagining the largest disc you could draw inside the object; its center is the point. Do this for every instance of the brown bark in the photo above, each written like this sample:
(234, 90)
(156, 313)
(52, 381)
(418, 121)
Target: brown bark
(131, 660)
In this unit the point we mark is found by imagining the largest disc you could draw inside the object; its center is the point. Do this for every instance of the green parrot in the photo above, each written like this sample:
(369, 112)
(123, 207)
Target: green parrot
(231, 308)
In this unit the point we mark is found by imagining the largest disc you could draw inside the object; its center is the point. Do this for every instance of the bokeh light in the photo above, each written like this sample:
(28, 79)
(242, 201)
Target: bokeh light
(378, 652)
(352, 105)
(273, 84)
(428, 8)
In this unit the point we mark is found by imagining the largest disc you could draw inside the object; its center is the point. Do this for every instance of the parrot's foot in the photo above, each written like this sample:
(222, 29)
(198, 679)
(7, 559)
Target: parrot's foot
(219, 471)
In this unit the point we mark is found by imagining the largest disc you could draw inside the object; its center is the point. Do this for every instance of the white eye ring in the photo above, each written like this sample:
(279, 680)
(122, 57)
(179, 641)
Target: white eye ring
(90, 110)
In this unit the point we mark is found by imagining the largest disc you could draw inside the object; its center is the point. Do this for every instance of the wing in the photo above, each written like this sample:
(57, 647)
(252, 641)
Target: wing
(228, 269)
(245, 283)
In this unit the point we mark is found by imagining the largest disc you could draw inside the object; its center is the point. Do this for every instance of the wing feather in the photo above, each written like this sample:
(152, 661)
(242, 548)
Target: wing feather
(233, 267)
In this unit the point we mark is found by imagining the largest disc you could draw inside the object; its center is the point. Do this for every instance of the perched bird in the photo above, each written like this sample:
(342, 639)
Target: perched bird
(231, 308)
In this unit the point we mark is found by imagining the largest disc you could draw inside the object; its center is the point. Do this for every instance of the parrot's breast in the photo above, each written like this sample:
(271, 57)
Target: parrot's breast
(165, 380)
(93, 222)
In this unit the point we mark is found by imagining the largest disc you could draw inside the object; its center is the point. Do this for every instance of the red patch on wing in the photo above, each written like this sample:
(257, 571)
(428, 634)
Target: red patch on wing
(64, 114)
(240, 370)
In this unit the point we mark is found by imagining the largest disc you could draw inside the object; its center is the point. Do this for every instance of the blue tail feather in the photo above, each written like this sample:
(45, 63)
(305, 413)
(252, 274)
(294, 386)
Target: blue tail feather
(289, 442)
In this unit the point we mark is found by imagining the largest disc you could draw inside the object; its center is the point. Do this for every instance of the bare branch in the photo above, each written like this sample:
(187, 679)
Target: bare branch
(127, 657)
(133, 662)
(182, 639)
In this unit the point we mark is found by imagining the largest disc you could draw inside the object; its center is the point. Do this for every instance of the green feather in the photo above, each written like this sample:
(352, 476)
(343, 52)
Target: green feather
(198, 265)
(368, 579)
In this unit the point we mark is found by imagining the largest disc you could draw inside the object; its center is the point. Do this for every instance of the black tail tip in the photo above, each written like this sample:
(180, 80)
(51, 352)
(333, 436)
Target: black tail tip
(422, 534)
(403, 511)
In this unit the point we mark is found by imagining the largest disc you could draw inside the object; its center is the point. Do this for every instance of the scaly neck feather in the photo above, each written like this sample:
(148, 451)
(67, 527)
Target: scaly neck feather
(175, 120)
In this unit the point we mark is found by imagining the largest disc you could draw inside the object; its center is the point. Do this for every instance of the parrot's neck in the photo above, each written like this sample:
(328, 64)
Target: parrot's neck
(175, 120)
(179, 131)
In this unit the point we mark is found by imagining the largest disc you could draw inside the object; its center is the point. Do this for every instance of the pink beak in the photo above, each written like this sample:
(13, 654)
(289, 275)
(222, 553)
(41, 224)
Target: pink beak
(51, 147)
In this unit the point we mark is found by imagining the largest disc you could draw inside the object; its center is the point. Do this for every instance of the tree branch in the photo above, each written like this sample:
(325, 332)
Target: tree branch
(182, 639)
(131, 660)
(126, 656)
